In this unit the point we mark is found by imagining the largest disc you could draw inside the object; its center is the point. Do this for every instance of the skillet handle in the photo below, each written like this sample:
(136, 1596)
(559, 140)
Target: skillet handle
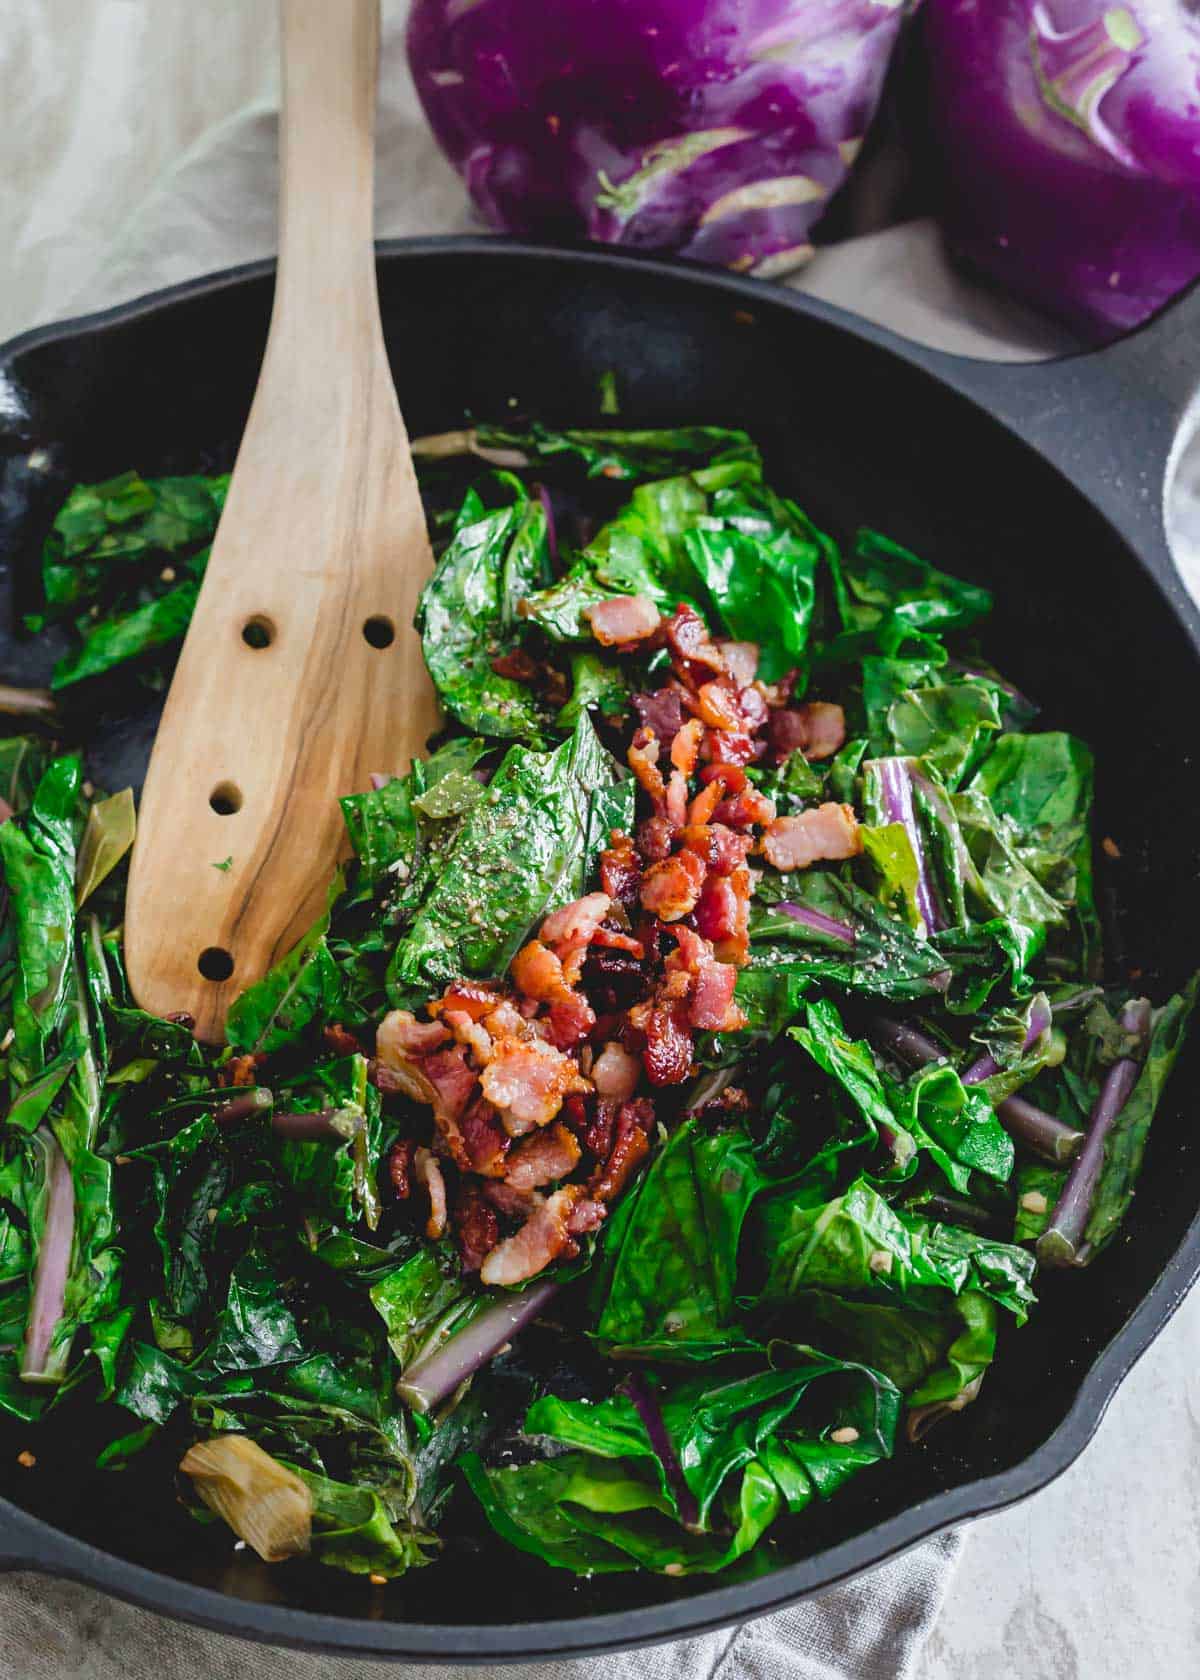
(26, 1542)
(1111, 420)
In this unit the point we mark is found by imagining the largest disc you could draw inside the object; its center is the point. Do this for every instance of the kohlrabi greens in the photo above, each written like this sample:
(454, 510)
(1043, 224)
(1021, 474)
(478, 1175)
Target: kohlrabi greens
(769, 1075)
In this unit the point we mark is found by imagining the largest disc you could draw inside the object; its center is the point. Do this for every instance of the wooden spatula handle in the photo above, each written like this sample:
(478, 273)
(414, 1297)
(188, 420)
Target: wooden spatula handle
(301, 673)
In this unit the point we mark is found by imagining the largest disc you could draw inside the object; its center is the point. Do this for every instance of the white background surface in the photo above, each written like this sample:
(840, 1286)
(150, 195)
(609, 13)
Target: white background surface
(109, 110)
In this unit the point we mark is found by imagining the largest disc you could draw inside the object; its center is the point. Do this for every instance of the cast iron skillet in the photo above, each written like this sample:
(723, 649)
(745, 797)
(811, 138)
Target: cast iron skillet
(1044, 482)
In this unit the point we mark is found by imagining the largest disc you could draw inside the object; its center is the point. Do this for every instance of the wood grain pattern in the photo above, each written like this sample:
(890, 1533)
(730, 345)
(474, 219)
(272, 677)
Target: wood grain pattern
(322, 535)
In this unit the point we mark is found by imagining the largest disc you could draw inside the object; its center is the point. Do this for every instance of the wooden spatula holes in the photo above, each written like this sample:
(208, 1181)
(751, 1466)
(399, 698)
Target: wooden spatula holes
(215, 964)
(258, 632)
(380, 632)
(226, 798)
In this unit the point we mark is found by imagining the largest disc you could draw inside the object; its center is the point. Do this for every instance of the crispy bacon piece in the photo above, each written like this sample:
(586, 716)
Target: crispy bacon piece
(401, 1036)
(720, 848)
(570, 1020)
(717, 704)
(685, 748)
(614, 979)
(340, 1040)
(541, 1239)
(722, 915)
(693, 655)
(731, 776)
(704, 804)
(427, 1172)
(677, 799)
(241, 1070)
(400, 1160)
(753, 708)
(485, 1142)
(471, 1034)
(712, 1007)
(386, 1080)
(654, 839)
(671, 888)
(609, 939)
(527, 1081)
(733, 748)
(452, 1079)
(667, 1057)
(749, 809)
(817, 729)
(615, 1073)
(508, 1200)
(475, 998)
(642, 758)
(518, 665)
(537, 972)
(575, 923)
(741, 661)
(586, 1216)
(624, 618)
(630, 1146)
(570, 931)
(621, 869)
(543, 1158)
(828, 831)
(476, 1226)
(661, 712)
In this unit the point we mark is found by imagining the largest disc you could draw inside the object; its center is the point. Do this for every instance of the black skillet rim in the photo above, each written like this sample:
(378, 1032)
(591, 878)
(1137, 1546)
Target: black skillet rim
(28, 1542)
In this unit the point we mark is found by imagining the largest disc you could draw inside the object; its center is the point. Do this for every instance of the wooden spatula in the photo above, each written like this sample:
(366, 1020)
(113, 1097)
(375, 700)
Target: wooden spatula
(301, 673)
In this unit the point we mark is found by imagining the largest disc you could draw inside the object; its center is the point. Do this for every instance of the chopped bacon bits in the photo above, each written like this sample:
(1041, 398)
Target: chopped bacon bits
(621, 870)
(643, 761)
(427, 1172)
(241, 1070)
(741, 661)
(586, 1216)
(748, 809)
(541, 1239)
(543, 1158)
(717, 704)
(527, 1081)
(829, 831)
(401, 1035)
(575, 923)
(817, 729)
(537, 972)
(661, 713)
(624, 618)
(475, 998)
(671, 888)
(476, 1226)
(654, 839)
(693, 655)
(685, 748)
(630, 1146)
(518, 666)
(400, 1160)
(668, 1054)
(615, 1073)
(341, 1041)
(571, 1019)
(484, 1140)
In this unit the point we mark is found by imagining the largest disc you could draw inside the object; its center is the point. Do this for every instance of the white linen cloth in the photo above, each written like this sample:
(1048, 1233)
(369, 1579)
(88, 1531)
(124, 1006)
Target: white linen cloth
(139, 149)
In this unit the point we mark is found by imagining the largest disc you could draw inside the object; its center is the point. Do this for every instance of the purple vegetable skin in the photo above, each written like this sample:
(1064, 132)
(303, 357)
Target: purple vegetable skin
(647, 1409)
(818, 923)
(1039, 1019)
(428, 1381)
(896, 782)
(1069, 131)
(53, 1265)
(719, 129)
(1044, 1133)
(1061, 1243)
